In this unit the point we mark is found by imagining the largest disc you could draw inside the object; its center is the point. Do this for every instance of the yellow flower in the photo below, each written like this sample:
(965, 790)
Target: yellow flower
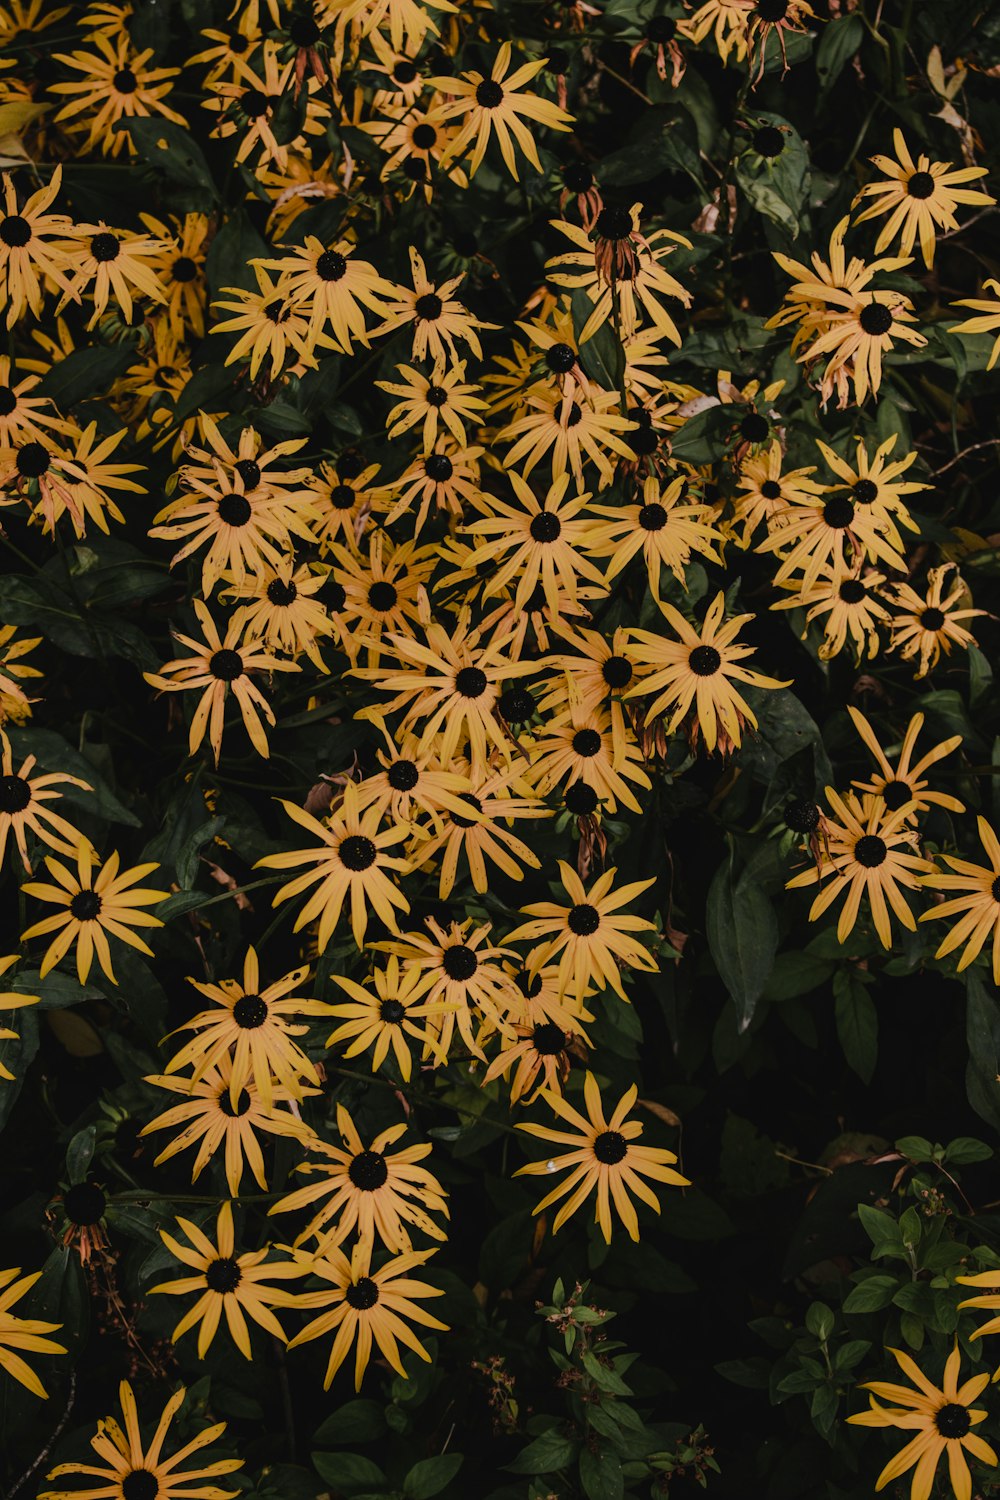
(987, 322)
(852, 606)
(439, 399)
(635, 294)
(118, 84)
(110, 263)
(22, 807)
(929, 624)
(576, 432)
(767, 495)
(35, 247)
(603, 1159)
(978, 908)
(333, 287)
(905, 783)
(666, 526)
(269, 326)
(466, 978)
(91, 908)
(580, 748)
(385, 1014)
(478, 832)
(497, 106)
(11, 1000)
(23, 1334)
(920, 198)
(942, 1419)
(14, 705)
(437, 316)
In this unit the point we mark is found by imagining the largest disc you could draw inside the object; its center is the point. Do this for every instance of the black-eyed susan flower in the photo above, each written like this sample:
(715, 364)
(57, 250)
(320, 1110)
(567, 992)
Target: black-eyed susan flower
(765, 494)
(15, 705)
(254, 1027)
(383, 1013)
(130, 1468)
(246, 105)
(498, 106)
(977, 908)
(111, 264)
(875, 482)
(281, 605)
(268, 326)
(381, 583)
(21, 1336)
(437, 316)
(468, 979)
(603, 1160)
(580, 749)
(181, 269)
(23, 808)
(36, 249)
(447, 480)
(572, 433)
(988, 319)
(414, 142)
(334, 287)
(412, 785)
(988, 1300)
(926, 625)
(828, 533)
(695, 674)
(849, 605)
(665, 525)
(116, 84)
(83, 479)
(441, 399)
(539, 1057)
(593, 938)
(482, 833)
(344, 494)
(11, 1000)
(208, 1118)
(368, 1190)
(226, 1284)
(365, 1305)
(348, 861)
(591, 677)
(638, 288)
(868, 853)
(905, 782)
(93, 904)
(24, 417)
(942, 1417)
(920, 198)
(727, 21)
(217, 666)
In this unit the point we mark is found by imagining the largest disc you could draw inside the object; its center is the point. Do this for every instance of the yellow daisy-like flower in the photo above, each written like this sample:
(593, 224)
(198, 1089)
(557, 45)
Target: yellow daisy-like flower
(497, 106)
(467, 979)
(848, 606)
(23, 799)
(228, 1284)
(15, 706)
(925, 626)
(876, 484)
(478, 833)
(574, 433)
(415, 142)
(384, 1014)
(697, 672)
(905, 783)
(209, 1118)
(813, 535)
(988, 320)
(20, 1336)
(91, 907)
(603, 1160)
(539, 1055)
(333, 287)
(182, 271)
(349, 862)
(978, 908)
(367, 1190)
(268, 324)
(441, 399)
(36, 248)
(868, 852)
(919, 197)
(280, 605)
(638, 291)
(666, 526)
(438, 318)
(765, 494)
(253, 1027)
(942, 1419)
(991, 1300)
(125, 1457)
(581, 749)
(117, 84)
(12, 1000)
(111, 263)
(593, 938)
(363, 1305)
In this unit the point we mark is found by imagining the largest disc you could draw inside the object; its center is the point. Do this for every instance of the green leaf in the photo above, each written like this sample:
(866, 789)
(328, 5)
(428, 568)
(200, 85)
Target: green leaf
(228, 260)
(819, 1320)
(601, 1474)
(80, 1153)
(431, 1475)
(870, 1295)
(752, 1373)
(966, 1149)
(547, 1453)
(839, 41)
(742, 935)
(354, 1422)
(982, 1031)
(171, 150)
(882, 1229)
(84, 374)
(857, 1023)
(348, 1473)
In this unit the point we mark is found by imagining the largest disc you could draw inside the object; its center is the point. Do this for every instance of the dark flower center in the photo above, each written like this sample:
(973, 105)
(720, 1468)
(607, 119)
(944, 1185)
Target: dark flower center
(382, 596)
(921, 185)
(771, 489)
(402, 775)
(754, 427)
(704, 661)
(548, 1039)
(428, 307)
(363, 1294)
(560, 358)
(255, 103)
(331, 265)
(141, 1484)
(653, 517)
(356, 853)
(580, 799)
(870, 851)
(574, 415)
(838, 513)
(15, 794)
(610, 1147)
(8, 400)
(125, 81)
(470, 682)
(529, 984)
(342, 497)
(644, 440)
(223, 1275)
(895, 794)
(661, 29)
(995, 889)
(334, 596)
(368, 1171)
(84, 1204)
(304, 31)
(391, 1012)
(558, 60)
(350, 464)
(586, 743)
(517, 705)
(32, 461)
(864, 492)
(614, 224)
(238, 43)
(105, 247)
(439, 467)
(459, 962)
(545, 527)
(772, 10)
(277, 312)
(802, 816)
(184, 268)
(241, 1106)
(768, 141)
(86, 906)
(852, 591)
(424, 136)
(250, 1012)
(578, 178)
(234, 510)
(404, 73)
(617, 672)
(952, 1420)
(473, 801)
(15, 231)
(249, 471)
(583, 920)
(282, 593)
(489, 94)
(875, 319)
(932, 619)
(415, 168)
(226, 665)
(436, 395)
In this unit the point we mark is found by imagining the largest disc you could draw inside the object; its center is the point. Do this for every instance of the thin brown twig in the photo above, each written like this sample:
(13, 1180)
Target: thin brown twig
(43, 1455)
(974, 448)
